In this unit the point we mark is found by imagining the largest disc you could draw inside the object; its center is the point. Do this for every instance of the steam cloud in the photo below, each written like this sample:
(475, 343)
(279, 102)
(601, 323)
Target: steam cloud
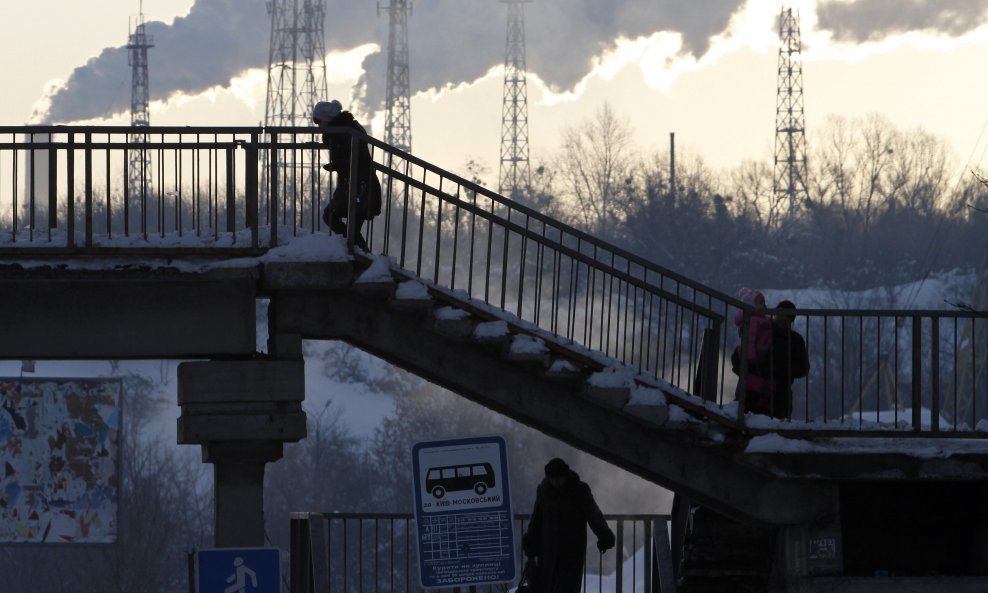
(449, 42)
(452, 41)
(872, 20)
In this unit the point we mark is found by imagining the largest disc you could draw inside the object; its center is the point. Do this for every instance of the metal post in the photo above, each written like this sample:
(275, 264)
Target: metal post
(88, 160)
(935, 374)
(250, 189)
(917, 400)
(70, 192)
(352, 229)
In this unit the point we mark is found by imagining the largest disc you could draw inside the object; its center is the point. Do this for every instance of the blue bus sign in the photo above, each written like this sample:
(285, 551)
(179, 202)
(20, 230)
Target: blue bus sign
(238, 570)
(463, 517)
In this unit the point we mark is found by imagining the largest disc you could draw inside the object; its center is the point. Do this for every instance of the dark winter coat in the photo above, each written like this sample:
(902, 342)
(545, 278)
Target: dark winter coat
(557, 534)
(789, 361)
(368, 188)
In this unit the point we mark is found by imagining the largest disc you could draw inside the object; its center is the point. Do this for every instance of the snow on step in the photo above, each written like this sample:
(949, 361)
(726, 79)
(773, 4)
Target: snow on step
(491, 331)
(453, 323)
(611, 386)
(648, 403)
(528, 348)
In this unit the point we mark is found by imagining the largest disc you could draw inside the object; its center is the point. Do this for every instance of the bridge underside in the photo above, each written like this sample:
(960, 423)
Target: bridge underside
(133, 312)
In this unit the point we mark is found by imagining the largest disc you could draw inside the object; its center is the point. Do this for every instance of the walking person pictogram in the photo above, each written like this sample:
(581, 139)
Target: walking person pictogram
(239, 577)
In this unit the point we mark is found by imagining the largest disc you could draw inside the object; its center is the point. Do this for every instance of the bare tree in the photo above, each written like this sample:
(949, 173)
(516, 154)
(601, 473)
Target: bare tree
(594, 169)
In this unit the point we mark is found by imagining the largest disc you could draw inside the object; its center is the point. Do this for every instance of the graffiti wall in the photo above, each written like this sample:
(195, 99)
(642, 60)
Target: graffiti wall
(59, 460)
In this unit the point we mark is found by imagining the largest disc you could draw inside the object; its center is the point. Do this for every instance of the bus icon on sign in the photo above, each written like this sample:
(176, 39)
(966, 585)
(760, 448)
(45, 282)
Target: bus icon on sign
(455, 478)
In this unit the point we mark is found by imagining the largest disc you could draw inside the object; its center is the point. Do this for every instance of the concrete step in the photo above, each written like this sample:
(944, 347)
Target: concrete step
(411, 295)
(562, 369)
(494, 333)
(528, 350)
(453, 323)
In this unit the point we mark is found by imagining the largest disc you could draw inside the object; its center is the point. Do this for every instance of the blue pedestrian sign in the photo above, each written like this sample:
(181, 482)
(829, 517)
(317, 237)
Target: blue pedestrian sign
(238, 570)
(463, 517)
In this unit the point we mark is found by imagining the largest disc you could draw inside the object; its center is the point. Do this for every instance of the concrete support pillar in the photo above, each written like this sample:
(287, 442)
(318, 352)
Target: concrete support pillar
(238, 505)
(242, 413)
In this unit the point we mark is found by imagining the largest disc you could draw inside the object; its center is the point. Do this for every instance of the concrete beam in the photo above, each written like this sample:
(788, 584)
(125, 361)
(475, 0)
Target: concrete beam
(127, 316)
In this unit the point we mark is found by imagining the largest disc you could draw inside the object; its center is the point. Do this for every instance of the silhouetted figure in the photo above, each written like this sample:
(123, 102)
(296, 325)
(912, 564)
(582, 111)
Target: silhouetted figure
(759, 335)
(557, 535)
(331, 114)
(788, 361)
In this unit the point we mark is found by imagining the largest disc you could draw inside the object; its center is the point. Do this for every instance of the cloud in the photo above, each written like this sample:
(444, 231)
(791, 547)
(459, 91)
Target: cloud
(873, 20)
(217, 41)
(450, 41)
(453, 42)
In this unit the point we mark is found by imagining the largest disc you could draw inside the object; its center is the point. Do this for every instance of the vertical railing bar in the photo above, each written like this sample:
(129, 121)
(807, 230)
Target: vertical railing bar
(88, 185)
(421, 245)
(826, 367)
(917, 372)
(273, 190)
(539, 278)
(161, 191)
(504, 262)
(618, 556)
(109, 193)
(473, 240)
(404, 217)
(522, 267)
(490, 246)
(456, 238)
(52, 190)
(934, 374)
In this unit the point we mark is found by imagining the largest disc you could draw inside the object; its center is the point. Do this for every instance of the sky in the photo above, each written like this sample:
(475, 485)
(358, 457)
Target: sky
(705, 71)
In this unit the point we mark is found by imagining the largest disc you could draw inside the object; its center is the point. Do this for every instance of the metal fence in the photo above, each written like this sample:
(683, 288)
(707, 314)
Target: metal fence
(239, 191)
(377, 553)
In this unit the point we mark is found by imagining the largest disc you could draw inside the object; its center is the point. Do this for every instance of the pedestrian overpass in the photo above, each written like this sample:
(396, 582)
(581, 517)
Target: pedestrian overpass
(882, 468)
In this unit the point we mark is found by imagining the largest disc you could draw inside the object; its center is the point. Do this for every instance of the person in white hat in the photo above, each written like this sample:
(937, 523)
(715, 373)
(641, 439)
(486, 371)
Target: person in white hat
(330, 114)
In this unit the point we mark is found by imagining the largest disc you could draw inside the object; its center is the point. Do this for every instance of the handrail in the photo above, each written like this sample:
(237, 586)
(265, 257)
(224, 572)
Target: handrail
(228, 191)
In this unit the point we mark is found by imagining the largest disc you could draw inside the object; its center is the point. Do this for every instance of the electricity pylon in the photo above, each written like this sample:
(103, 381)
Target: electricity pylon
(515, 178)
(398, 117)
(296, 82)
(790, 124)
(138, 161)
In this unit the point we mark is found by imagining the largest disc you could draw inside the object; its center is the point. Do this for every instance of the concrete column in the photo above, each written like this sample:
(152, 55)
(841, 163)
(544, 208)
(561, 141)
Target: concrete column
(238, 487)
(242, 413)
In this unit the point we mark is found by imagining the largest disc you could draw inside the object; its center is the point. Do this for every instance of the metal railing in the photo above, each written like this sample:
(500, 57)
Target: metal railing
(377, 553)
(239, 191)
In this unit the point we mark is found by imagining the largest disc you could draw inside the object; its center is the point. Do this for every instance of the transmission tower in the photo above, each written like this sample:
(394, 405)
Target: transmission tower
(790, 125)
(398, 119)
(139, 161)
(296, 63)
(296, 82)
(515, 176)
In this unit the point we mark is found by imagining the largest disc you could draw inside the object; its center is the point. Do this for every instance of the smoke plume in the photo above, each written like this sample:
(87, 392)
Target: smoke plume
(450, 41)
(454, 41)
(873, 20)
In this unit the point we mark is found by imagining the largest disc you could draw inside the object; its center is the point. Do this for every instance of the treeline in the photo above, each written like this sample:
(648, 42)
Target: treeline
(883, 206)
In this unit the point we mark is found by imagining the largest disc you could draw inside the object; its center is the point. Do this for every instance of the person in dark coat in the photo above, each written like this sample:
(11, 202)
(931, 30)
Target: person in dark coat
(331, 114)
(788, 359)
(557, 534)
